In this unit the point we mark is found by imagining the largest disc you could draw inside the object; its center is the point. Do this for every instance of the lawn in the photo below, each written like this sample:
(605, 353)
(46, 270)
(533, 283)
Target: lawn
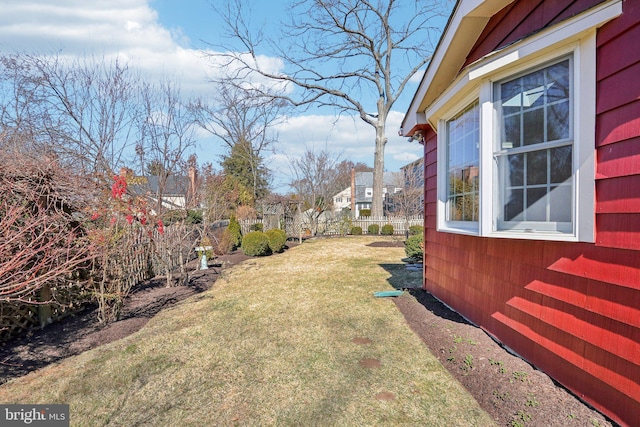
(288, 340)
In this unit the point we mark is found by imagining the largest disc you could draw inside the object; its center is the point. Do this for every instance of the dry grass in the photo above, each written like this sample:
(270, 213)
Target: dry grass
(271, 345)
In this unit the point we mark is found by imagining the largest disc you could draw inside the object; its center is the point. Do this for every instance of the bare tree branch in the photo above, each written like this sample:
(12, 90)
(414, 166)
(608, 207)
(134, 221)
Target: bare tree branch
(338, 53)
(41, 241)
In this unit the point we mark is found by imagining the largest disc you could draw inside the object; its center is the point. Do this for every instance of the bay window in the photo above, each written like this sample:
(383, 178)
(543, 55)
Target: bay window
(516, 142)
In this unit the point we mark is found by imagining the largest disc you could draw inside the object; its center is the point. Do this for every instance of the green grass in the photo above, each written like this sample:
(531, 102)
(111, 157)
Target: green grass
(270, 345)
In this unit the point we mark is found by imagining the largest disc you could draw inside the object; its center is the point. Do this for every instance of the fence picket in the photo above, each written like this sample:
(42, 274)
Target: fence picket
(336, 226)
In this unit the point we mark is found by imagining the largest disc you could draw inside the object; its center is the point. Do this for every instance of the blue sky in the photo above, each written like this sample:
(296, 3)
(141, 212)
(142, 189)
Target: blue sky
(164, 38)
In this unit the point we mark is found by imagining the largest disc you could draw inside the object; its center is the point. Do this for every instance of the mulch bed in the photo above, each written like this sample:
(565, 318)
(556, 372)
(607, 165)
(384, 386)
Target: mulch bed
(509, 389)
(512, 391)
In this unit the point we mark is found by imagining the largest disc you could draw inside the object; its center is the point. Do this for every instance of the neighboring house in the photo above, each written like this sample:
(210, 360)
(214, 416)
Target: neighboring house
(414, 173)
(178, 192)
(342, 200)
(410, 199)
(359, 195)
(529, 113)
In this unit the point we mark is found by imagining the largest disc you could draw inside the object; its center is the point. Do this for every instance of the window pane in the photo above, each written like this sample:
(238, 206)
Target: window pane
(558, 121)
(537, 167)
(463, 133)
(560, 210)
(533, 123)
(536, 175)
(511, 133)
(516, 170)
(514, 207)
(561, 164)
(558, 82)
(533, 90)
(536, 204)
(511, 98)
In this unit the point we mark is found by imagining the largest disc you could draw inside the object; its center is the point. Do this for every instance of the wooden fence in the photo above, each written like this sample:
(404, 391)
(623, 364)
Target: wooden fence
(400, 224)
(146, 258)
(340, 225)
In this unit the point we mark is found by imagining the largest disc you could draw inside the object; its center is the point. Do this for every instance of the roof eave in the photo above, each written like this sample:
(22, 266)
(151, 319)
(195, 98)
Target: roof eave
(466, 23)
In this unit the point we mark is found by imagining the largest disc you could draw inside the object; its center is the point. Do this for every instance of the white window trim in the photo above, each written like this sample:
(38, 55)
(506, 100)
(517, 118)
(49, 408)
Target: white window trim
(462, 227)
(576, 37)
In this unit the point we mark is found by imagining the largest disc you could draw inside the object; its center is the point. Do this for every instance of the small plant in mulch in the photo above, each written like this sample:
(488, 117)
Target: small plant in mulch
(467, 363)
(502, 396)
(532, 402)
(520, 376)
(520, 418)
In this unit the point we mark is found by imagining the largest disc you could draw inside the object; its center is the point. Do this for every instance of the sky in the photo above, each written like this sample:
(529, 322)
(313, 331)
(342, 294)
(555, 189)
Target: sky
(165, 39)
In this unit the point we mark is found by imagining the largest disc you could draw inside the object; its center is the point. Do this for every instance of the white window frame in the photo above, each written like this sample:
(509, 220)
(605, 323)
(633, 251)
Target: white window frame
(575, 37)
(463, 227)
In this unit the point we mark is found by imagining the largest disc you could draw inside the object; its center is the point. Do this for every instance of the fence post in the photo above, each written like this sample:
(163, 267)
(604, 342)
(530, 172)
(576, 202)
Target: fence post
(44, 310)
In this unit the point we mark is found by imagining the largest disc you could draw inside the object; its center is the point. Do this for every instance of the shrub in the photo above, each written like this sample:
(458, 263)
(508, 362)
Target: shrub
(387, 230)
(356, 231)
(365, 212)
(416, 229)
(373, 229)
(255, 243)
(171, 217)
(414, 246)
(236, 232)
(225, 242)
(277, 239)
(258, 226)
(345, 225)
(193, 217)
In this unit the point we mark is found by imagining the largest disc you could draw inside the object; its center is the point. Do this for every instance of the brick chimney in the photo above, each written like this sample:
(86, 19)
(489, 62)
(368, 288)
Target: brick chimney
(193, 177)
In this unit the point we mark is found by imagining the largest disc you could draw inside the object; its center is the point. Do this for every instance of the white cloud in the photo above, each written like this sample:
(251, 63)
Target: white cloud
(130, 30)
(417, 77)
(127, 29)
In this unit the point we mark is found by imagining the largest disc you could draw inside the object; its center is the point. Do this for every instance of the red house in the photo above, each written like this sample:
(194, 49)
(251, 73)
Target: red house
(530, 118)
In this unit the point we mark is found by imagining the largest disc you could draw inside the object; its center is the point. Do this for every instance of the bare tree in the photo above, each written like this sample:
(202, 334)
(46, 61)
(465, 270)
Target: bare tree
(84, 111)
(340, 54)
(408, 201)
(167, 135)
(315, 183)
(244, 122)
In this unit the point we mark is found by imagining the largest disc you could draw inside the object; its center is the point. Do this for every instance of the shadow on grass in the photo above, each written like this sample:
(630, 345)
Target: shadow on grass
(411, 281)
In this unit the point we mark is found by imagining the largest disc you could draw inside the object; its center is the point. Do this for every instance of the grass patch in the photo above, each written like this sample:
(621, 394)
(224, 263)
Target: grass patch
(270, 344)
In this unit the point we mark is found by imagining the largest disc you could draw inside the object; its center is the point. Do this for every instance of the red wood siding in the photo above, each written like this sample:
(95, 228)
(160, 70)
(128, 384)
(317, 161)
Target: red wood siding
(571, 309)
(522, 18)
(618, 131)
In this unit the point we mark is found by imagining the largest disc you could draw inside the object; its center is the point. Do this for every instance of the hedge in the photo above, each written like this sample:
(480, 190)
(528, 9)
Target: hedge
(277, 239)
(255, 243)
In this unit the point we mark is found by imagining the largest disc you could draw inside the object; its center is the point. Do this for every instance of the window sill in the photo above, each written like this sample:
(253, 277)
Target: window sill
(534, 235)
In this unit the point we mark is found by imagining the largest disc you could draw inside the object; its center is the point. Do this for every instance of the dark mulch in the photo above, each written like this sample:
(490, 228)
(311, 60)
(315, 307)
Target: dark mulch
(81, 332)
(509, 389)
(387, 244)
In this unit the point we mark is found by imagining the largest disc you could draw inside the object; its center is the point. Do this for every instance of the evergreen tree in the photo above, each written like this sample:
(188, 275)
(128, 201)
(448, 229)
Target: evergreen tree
(246, 167)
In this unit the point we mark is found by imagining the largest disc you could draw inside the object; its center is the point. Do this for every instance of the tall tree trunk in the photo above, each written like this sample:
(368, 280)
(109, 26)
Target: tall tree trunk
(378, 171)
